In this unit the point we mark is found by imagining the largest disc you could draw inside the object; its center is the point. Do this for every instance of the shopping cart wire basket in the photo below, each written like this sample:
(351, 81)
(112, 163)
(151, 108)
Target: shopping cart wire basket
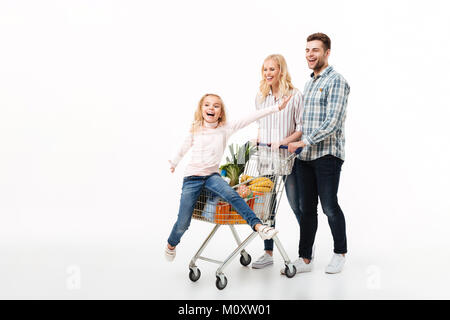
(261, 185)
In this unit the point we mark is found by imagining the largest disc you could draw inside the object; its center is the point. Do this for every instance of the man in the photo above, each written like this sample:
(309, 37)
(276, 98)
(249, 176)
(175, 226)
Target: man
(319, 164)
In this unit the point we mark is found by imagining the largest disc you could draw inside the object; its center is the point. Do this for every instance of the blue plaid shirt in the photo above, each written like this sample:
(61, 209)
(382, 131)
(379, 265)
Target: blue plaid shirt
(325, 104)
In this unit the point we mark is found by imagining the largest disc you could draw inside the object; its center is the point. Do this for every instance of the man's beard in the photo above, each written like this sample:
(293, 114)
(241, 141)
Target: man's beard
(319, 65)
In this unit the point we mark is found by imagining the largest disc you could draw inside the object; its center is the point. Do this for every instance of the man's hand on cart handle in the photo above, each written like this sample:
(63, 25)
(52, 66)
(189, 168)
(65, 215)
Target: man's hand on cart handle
(172, 167)
(293, 146)
(285, 102)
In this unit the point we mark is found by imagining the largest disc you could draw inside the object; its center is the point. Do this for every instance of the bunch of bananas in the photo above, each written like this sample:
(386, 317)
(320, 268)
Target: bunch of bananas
(245, 177)
(260, 184)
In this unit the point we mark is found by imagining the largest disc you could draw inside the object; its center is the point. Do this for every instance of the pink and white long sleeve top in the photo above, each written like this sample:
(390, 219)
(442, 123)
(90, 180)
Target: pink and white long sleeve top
(209, 142)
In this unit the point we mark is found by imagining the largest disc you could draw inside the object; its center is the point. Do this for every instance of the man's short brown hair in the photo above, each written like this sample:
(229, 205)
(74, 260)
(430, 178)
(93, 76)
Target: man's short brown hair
(321, 37)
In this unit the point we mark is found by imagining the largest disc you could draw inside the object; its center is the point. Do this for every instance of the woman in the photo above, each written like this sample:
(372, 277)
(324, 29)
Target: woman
(278, 129)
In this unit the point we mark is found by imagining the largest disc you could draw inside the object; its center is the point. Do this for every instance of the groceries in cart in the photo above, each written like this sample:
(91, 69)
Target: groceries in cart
(251, 189)
(261, 184)
(235, 165)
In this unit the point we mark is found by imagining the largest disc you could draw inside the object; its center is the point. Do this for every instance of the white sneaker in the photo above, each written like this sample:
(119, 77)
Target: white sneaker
(263, 261)
(170, 253)
(266, 232)
(301, 266)
(336, 264)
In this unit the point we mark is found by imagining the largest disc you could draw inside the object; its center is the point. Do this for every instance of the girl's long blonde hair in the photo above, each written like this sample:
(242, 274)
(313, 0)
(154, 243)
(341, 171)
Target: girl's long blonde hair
(198, 115)
(285, 78)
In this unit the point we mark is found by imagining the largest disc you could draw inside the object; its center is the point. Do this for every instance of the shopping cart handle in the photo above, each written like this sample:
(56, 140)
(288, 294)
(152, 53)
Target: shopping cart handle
(281, 147)
(299, 149)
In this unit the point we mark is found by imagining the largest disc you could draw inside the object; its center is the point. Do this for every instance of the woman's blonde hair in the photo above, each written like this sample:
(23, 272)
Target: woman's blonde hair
(285, 78)
(198, 115)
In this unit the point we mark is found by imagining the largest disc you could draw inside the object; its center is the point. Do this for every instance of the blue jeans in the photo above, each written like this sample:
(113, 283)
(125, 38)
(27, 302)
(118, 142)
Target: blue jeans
(316, 179)
(290, 186)
(192, 186)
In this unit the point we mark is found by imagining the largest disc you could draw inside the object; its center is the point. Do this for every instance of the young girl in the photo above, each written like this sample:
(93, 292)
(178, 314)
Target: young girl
(207, 138)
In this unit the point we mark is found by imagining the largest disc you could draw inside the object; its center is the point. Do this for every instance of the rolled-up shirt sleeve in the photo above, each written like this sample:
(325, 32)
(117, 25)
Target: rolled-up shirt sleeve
(298, 111)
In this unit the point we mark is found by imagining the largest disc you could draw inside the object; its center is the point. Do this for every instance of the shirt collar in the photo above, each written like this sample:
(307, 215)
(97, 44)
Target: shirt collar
(211, 125)
(323, 73)
(271, 94)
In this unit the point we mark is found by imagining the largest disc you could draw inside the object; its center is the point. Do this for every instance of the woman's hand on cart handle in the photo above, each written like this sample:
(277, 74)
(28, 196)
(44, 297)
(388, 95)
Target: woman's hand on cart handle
(296, 150)
(275, 145)
(172, 167)
(294, 146)
(285, 102)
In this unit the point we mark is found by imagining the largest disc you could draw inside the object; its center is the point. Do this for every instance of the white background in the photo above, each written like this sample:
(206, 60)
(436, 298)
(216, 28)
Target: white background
(96, 95)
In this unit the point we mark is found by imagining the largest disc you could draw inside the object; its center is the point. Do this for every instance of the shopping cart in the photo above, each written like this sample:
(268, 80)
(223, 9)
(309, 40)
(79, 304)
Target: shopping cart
(264, 174)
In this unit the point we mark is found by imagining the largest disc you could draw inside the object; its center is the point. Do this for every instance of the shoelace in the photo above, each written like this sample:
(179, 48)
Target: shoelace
(265, 229)
(170, 251)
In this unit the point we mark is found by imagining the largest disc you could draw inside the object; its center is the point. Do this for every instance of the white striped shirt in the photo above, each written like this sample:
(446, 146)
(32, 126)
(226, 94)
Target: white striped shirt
(280, 125)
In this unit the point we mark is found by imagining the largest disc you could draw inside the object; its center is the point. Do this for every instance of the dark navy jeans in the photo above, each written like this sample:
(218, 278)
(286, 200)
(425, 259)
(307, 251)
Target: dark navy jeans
(192, 186)
(268, 244)
(314, 180)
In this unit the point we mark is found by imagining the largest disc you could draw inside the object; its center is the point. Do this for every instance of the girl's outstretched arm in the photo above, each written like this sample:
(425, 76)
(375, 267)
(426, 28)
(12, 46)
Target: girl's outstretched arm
(239, 124)
(187, 144)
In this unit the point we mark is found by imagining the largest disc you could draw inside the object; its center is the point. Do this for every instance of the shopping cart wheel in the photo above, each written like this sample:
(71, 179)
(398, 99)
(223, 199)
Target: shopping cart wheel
(194, 275)
(245, 259)
(221, 282)
(290, 270)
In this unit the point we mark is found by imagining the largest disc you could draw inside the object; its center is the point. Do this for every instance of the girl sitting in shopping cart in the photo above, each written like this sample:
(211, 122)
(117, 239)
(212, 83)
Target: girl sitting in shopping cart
(208, 137)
